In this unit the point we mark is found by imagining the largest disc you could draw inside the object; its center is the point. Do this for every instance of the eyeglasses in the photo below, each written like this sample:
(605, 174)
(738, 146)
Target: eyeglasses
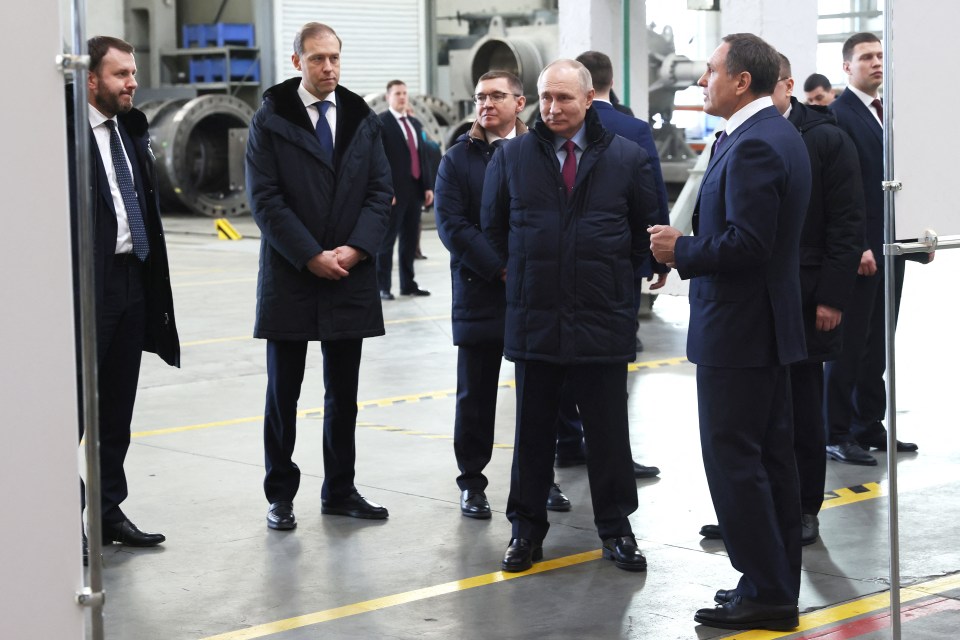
(496, 97)
(784, 79)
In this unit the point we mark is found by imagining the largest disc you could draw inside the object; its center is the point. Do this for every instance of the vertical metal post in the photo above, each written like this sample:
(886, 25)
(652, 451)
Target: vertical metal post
(83, 226)
(625, 18)
(890, 308)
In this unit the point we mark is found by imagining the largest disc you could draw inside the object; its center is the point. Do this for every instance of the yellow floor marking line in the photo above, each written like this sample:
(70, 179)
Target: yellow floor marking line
(197, 343)
(849, 495)
(385, 602)
(317, 412)
(855, 608)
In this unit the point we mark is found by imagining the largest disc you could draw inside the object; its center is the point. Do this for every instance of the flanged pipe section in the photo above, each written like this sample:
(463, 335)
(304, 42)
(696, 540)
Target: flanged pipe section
(199, 146)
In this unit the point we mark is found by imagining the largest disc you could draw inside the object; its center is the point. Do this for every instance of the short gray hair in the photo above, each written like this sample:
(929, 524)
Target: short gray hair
(583, 74)
(312, 30)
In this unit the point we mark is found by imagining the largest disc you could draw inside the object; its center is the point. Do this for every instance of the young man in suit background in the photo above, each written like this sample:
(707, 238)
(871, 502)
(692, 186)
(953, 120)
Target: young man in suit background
(412, 190)
(746, 328)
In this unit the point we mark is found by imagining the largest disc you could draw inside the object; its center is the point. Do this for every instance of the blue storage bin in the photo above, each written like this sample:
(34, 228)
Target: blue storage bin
(220, 34)
(245, 69)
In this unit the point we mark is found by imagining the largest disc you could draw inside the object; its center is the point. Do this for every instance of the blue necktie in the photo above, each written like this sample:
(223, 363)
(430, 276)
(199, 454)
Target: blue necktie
(141, 246)
(324, 135)
(721, 136)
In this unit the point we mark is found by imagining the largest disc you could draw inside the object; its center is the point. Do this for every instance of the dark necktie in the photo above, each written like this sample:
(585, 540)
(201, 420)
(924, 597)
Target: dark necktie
(412, 146)
(719, 141)
(496, 144)
(138, 232)
(569, 170)
(324, 135)
(876, 104)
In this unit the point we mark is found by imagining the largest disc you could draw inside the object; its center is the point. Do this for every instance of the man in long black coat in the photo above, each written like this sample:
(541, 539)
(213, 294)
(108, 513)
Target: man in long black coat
(319, 188)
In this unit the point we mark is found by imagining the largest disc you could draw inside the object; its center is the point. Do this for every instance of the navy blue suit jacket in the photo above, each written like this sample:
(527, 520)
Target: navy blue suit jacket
(398, 155)
(639, 131)
(859, 123)
(744, 257)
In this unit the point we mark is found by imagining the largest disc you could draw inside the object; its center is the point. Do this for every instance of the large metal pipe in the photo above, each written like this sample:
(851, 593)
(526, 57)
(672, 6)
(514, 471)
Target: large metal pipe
(191, 141)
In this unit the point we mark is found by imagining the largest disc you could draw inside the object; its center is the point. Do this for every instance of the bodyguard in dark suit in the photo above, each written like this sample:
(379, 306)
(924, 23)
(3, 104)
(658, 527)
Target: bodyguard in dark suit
(412, 190)
(855, 398)
(134, 303)
(319, 188)
(746, 328)
(566, 208)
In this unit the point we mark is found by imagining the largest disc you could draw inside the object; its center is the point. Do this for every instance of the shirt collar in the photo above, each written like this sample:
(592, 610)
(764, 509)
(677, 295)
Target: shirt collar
(96, 118)
(492, 137)
(865, 98)
(396, 114)
(746, 112)
(579, 138)
(309, 99)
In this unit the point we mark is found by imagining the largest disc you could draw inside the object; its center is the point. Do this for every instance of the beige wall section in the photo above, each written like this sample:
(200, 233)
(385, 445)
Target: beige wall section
(40, 557)
(597, 24)
(791, 27)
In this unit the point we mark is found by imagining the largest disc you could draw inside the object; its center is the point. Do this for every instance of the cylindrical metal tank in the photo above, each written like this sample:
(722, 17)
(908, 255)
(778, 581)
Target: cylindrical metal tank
(191, 139)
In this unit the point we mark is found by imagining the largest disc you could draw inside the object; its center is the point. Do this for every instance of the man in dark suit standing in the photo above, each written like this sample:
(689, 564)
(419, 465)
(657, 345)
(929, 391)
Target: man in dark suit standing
(412, 190)
(132, 278)
(746, 328)
(566, 208)
(855, 397)
(319, 188)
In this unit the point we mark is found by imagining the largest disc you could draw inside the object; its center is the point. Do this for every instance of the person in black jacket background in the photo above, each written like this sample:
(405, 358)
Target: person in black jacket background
(402, 137)
(566, 209)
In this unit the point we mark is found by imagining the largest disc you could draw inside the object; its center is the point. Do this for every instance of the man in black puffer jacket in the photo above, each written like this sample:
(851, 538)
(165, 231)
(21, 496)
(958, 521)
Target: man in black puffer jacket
(566, 208)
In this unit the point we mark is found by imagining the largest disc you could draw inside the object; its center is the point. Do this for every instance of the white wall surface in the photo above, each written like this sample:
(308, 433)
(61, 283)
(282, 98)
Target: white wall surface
(40, 561)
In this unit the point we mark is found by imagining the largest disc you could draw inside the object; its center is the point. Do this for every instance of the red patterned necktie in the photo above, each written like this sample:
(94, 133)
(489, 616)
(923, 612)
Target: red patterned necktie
(412, 145)
(569, 170)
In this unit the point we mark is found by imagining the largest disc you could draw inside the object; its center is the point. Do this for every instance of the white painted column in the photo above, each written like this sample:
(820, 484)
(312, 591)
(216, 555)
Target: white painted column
(40, 559)
(791, 27)
(597, 25)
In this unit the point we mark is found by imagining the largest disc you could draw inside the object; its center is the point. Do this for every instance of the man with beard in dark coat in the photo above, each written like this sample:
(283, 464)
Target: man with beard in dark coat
(830, 248)
(319, 188)
(134, 304)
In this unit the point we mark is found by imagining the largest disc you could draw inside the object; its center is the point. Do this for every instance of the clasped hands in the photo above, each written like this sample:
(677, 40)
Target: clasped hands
(335, 263)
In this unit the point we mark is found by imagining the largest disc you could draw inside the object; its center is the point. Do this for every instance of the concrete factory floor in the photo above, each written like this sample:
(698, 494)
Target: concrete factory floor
(196, 466)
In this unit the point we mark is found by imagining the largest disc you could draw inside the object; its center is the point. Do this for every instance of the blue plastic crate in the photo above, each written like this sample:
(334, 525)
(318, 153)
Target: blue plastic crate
(245, 69)
(220, 34)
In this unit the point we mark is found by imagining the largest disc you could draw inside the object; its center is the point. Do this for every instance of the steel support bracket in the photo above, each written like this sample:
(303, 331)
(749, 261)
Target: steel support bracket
(70, 62)
(892, 185)
(87, 598)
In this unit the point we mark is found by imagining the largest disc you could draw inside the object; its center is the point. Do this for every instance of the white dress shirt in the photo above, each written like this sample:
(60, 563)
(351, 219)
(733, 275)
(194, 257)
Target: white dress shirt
(746, 112)
(101, 132)
(867, 101)
(398, 115)
(313, 110)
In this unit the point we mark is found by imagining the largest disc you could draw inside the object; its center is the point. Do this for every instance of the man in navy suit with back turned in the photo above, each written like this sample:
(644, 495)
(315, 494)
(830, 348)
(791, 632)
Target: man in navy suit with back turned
(746, 328)
(855, 397)
(411, 190)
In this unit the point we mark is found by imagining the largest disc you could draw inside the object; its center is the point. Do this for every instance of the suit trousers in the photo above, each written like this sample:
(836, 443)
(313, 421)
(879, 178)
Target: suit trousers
(746, 436)
(569, 425)
(402, 229)
(809, 436)
(478, 377)
(602, 400)
(855, 396)
(121, 333)
(286, 361)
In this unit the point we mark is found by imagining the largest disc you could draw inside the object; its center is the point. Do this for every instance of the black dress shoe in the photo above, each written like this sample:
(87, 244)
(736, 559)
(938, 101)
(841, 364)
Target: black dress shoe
(418, 292)
(126, 533)
(880, 443)
(355, 506)
(809, 528)
(280, 516)
(520, 555)
(711, 532)
(724, 595)
(575, 460)
(473, 504)
(641, 471)
(386, 295)
(850, 453)
(625, 553)
(556, 501)
(742, 614)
